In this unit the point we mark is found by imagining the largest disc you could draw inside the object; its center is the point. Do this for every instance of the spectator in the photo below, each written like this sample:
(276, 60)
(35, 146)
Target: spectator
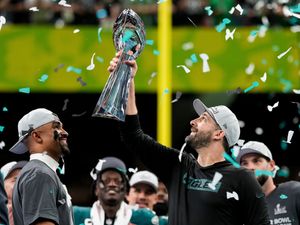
(283, 200)
(10, 172)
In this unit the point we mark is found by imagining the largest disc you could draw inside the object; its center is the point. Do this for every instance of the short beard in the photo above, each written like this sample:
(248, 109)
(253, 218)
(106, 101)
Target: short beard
(64, 149)
(262, 179)
(199, 140)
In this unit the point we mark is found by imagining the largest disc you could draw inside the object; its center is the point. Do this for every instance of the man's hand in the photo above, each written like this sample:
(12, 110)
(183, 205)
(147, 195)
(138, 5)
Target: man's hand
(114, 62)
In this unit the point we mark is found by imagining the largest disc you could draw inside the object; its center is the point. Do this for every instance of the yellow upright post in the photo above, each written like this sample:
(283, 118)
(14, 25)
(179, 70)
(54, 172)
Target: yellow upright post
(164, 75)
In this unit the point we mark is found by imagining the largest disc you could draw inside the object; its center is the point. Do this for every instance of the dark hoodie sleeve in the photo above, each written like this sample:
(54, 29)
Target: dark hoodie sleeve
(253, 200)
(158, 158)
(3, 202)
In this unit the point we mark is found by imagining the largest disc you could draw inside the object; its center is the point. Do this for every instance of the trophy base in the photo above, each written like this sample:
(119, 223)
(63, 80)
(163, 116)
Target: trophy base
(110, 115)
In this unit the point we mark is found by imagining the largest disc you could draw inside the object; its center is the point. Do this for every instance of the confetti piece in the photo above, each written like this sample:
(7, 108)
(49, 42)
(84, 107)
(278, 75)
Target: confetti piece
(79, 79)
(2, 144)
(4, 109)
(43, 78)
(282, 196)
(222, 25)
(205, 65)
(253, 33)
(263, 172)
(178, 95)
(238, 8)
(74, 69)
(289, 13)
(264, 77)
(100, 59)
(151, 77)
(192, 22)
(283, 172)
(295, 29)
(58, 67)
(161, 1)
(187, 46)
(259, 131)
(254, 84)
(229, 34)
(235, 151)
(25, 90)
(270, 108)
(209, 11)
(65, 104)
(156, 52)
(289, 137)
(232, 161)
(216, 179)
(100, 164)
(149, 42)
(34, 9)
(296, 91)
(194, 58)
(232, 195)
(93, 175)
(2, 21)
(1, 128)
(64, 3)
(99, 36)
(131, 170)
(78, 115)
(181, 152)
(101, 14)
(283, 54)
(187, 70)
(92, 65)
(76, 31)
(236, 91)
(166, 91)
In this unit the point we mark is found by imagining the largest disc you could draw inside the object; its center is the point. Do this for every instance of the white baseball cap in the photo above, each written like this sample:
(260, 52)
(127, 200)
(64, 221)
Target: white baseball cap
(224, 117)
(144, 177)
(10, 167)
(29, 122)
(254, 147)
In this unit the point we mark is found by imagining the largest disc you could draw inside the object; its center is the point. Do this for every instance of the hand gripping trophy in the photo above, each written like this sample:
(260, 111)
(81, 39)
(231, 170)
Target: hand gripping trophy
(128, 36)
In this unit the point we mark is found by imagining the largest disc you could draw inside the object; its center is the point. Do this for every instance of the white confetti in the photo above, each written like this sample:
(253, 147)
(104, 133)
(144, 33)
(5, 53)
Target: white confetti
(238, 8)
(181, 152)
(187, 70)
(217, 177)
(34, 9)
(205, 65)
(100, 164)
(2, 144)
(187, 46)
(92, 65)
(2, 21)
(270, 108)
(283, 54)
(131, 170)
(229, 34)
(232, 195)
(249, 70)
(64, 3)
(264, 77)
(296, 91)
(289, 137)
(76, 31)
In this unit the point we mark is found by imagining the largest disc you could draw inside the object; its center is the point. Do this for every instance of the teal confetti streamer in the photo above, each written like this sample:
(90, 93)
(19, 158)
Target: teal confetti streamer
(156, 52)
(229, 159)
(101, 14)
(1, 128)
(282, 196)
(4, 109)
(99, 34)
(43, 78)
(149, 42)
(74, 69)
(194, 58)
(263, 172)
(25, 90)
(254, 84)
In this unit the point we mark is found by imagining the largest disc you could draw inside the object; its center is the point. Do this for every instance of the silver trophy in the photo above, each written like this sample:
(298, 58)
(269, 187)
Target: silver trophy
(129, 36)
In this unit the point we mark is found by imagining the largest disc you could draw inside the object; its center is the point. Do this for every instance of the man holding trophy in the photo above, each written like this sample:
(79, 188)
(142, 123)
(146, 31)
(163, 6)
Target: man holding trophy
(207, 190)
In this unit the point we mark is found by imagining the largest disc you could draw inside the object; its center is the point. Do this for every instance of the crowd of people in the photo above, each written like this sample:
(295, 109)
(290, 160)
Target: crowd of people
(185, 12)
(177, 188)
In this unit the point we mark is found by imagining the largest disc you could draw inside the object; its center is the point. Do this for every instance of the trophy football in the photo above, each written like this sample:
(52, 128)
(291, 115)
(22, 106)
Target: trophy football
(128, 36)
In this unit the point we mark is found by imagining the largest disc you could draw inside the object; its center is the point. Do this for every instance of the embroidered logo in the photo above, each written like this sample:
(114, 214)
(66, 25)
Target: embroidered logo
(199, 184)
(280, 210)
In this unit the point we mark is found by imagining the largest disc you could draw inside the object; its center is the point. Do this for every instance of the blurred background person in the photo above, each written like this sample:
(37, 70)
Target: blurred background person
(161, 206)
(10, 172)
(283, 200)
(143, 190)
(3, 203)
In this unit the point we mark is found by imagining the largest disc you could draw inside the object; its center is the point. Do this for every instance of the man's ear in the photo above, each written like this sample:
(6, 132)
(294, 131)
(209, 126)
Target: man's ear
(219, 134)
(35, 136)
